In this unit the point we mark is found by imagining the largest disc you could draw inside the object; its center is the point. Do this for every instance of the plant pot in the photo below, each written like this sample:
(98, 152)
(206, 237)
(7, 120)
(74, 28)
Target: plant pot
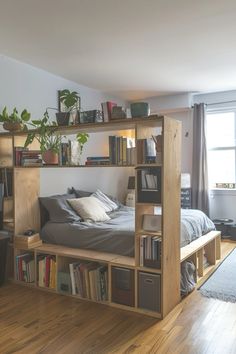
(50, 157)
(63, 118)
(12, 126)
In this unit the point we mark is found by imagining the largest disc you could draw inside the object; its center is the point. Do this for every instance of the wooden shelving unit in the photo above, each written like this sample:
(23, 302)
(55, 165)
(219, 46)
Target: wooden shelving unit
(25, 210)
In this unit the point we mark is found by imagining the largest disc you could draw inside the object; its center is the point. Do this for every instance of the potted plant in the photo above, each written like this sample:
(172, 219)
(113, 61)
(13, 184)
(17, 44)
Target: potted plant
(81, 139)
(14, 122)
(69, 100)
(49, 140)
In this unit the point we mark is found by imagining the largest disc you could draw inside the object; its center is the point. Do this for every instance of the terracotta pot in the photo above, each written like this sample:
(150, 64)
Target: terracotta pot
(50, 157)
(12, 127)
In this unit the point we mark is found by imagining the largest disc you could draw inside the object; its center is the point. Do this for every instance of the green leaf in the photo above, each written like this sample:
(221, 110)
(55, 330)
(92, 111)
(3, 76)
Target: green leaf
(29, 139)
(25, 116)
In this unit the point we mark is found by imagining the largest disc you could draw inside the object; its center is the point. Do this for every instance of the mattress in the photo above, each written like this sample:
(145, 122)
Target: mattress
(117, 234)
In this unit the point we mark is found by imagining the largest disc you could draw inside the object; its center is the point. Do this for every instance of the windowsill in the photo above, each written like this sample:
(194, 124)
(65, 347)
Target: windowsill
(223, 191)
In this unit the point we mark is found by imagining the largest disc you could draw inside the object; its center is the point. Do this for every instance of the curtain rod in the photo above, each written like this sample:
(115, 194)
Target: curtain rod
(216, 103)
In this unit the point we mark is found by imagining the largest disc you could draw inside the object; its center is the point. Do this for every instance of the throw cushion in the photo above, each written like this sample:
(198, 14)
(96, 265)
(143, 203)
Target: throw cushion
(105, 201)
(89, 208)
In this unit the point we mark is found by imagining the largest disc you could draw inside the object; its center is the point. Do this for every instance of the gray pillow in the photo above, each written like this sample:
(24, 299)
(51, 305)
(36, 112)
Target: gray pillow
(82, 194)
(58, 209)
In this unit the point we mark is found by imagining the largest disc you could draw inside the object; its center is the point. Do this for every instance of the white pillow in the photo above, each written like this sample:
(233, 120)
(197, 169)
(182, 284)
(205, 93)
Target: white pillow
(105, 201)
(89, 209)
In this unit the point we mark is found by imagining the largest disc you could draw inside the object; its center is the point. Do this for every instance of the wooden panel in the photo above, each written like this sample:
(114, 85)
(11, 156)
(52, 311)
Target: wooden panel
(26, 191)
(171, 214)
(200, 269)
(20, 141)
(210, 252)
(218, 247)
(6, 155)
(197, 244)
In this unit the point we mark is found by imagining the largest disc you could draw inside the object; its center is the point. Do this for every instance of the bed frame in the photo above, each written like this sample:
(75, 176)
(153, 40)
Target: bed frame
(23, 211)
(208, 245)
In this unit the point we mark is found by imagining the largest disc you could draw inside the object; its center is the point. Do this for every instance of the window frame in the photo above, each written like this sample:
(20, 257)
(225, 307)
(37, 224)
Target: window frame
(223, 148)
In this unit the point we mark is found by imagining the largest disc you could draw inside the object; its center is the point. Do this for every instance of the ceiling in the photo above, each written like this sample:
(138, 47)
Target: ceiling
(130, 48)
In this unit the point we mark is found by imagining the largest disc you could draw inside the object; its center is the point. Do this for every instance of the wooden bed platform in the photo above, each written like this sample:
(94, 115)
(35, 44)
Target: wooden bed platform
(208, 245)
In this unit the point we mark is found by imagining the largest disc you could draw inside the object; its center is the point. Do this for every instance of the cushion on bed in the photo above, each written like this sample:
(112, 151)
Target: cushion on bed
(58, 209)
(78, 193)
(89, 208)
(81, 194)
(105, 201)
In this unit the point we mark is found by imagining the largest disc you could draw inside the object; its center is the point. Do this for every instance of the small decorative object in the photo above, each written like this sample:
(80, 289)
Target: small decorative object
(14, 122)
(93, 116)
(117, 113)
(130, 199)
(139, 109)
(69, 106)
(82, 139)
(49, 140)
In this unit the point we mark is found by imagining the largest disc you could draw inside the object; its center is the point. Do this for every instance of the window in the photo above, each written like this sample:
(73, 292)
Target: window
(221, 145)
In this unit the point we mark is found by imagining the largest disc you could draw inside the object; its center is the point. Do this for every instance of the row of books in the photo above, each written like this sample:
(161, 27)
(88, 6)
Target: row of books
(25, 267)
(150, 251)
(25, 157)
(146, 151)
(107, 110)
(47, 271)
(148, 181)
(89, 280)
(121, 150)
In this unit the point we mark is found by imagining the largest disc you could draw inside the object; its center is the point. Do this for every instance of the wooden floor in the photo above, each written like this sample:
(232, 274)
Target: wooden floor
(39, 322)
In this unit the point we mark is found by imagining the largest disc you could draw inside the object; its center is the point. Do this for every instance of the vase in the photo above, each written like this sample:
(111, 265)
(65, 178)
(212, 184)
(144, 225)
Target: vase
(50, 157)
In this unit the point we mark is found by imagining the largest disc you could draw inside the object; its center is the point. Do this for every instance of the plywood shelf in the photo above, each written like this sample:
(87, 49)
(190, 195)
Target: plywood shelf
(80, 166)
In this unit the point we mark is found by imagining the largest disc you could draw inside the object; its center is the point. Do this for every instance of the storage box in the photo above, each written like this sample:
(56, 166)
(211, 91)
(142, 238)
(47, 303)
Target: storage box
(93, 116)
(27, 242)
(123, 286)
(149, 291)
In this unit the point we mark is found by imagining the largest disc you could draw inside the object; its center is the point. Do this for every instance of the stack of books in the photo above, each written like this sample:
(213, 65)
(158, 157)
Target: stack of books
(97, 160)
(31, 158)
(107, 110)
(27, 158)
(150, 251)
(27, 242)
(149, 181)
(121, 150)
(47, 271)
(89, 280)
(25, 267)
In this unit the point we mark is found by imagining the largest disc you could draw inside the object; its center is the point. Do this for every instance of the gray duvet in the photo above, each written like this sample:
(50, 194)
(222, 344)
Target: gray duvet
(117, 235)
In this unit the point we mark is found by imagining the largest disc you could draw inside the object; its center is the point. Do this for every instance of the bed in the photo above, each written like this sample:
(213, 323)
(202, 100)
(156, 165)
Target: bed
(117, 234)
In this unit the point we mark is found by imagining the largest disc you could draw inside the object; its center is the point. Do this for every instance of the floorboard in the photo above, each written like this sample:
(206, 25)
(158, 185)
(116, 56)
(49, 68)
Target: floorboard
(34, 321)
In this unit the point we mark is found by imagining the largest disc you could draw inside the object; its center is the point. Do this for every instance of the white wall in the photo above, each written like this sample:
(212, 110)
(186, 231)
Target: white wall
(24, 86)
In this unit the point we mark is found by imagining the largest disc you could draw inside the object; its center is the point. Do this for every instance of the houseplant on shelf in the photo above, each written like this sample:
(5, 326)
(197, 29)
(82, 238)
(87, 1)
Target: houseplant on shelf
(68, 103)
(14, 122)
(49, 140)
